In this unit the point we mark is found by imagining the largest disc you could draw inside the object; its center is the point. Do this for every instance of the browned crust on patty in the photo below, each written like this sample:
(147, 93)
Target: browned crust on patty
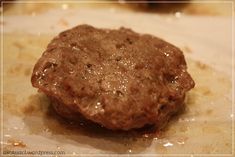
(116, 78)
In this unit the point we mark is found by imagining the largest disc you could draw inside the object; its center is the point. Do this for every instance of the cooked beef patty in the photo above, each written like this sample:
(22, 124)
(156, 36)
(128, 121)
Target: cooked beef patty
(117, 78)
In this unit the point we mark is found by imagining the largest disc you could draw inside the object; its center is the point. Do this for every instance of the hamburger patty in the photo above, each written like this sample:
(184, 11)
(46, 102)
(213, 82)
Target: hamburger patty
(117, 78)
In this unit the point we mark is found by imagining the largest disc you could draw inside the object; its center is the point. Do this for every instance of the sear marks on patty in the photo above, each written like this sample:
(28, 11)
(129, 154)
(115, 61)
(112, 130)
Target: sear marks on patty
(117, 78)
